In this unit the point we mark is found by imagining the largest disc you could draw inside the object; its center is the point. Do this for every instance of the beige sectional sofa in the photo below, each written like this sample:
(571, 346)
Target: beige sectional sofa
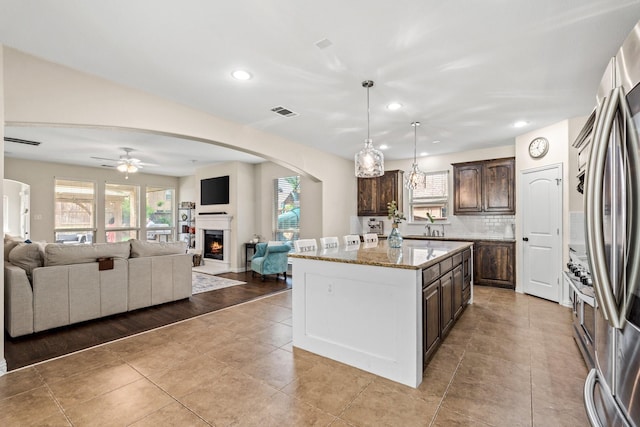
(52, 285)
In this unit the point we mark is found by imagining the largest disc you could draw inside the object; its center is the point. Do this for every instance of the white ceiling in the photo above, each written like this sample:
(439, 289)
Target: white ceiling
(466, 69)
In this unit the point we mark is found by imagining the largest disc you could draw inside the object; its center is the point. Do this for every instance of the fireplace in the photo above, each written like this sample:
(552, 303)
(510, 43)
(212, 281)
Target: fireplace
(213, 241)
(214, 244)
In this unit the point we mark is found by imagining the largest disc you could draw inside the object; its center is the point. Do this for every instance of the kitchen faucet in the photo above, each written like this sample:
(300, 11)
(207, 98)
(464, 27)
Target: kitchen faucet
(434, 233)
(427, 230)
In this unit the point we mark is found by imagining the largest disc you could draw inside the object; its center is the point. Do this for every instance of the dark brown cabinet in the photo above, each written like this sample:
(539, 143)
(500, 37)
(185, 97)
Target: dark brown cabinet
(446, 310)
(494, 263)
(375, 193)
(484, 188)
(431, 318)
(456, 290)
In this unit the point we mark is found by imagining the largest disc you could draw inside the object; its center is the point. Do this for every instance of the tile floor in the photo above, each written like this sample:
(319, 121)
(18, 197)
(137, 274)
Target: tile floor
(509, 361)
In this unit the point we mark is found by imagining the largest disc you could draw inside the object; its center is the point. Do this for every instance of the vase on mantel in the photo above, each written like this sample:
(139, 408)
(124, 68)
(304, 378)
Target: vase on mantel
(395, 238)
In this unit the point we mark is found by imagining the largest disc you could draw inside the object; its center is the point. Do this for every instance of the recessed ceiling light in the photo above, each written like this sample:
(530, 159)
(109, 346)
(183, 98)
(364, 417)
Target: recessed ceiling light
(436, 142)
(384, 146)
(394, 106)
(424, 153)
(241, 75)
(520, 124)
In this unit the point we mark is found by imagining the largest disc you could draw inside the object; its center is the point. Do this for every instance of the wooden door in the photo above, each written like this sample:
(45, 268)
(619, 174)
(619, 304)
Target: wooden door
(498, 183)
(467, 185)
(430, 319)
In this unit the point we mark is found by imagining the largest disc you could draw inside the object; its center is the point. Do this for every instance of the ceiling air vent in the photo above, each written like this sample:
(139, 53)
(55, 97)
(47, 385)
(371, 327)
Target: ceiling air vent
(21, 141)
(284, 112)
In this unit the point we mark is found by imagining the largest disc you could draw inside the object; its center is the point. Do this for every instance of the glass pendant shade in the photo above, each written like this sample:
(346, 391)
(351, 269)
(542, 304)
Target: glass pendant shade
(415, 178)
(369, 162)
(127, 167)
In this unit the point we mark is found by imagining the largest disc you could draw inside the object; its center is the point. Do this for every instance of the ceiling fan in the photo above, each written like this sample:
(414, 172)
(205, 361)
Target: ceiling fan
(125, 164)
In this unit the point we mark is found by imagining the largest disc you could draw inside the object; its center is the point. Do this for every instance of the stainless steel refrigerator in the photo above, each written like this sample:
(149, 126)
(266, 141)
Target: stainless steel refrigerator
(612, 206)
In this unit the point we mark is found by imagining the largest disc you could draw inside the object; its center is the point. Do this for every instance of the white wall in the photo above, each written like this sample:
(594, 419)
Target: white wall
(12, 190)
(41, 177)
(310, 202)
(187, 189)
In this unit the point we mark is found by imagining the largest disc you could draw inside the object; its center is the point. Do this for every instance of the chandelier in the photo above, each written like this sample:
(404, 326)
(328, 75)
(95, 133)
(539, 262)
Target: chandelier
(416, 178)
(369, 162)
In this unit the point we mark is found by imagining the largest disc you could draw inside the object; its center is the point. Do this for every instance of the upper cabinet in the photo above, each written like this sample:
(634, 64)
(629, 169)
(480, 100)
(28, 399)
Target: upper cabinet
(375, 193)
(485, 187)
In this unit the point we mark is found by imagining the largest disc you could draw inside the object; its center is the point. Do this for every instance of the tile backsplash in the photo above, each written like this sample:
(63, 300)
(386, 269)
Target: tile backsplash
(489, 226)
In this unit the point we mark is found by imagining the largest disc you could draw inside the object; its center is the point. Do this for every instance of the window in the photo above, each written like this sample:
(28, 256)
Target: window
(160, 216)
(433, 199)
(287, 208)
(121, 212)
(74, 211)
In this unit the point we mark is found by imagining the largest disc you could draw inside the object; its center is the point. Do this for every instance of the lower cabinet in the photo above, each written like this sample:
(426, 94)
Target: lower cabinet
(446, 310)
(494, 264)
(445, 292)
(431, 319)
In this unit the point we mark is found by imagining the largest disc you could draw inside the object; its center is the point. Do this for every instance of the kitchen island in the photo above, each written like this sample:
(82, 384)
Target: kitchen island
(377, 308)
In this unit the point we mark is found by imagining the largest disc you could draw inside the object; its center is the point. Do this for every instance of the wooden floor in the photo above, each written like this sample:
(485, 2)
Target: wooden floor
(30, 349)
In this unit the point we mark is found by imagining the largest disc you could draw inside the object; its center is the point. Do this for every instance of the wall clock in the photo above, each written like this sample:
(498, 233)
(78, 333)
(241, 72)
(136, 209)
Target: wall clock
(538, 147)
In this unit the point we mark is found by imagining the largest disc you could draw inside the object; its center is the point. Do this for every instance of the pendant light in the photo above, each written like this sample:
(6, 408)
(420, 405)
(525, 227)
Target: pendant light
(416, 178)
(369, 161)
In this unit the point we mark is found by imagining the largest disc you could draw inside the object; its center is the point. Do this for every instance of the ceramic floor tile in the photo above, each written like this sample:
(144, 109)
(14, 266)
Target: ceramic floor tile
(288, 411)
(159, 359)
(30, 408)
(88, 384)
(180, 380)
(67, 366)
(122, 406)
(501, 348)
(328, 387)
(275, 335)
(277, 368)
(448, 418)
(493, 413)
(173, 414)
(480, 368)
(267, 311)
(379, 405)
(568, 416)
(234, 399)
(138, 343)
(282, 299)
(241, 351)
(19, 381)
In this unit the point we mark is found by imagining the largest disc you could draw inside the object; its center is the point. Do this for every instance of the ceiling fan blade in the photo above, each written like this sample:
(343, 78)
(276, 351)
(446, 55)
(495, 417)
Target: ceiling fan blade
(103, 158)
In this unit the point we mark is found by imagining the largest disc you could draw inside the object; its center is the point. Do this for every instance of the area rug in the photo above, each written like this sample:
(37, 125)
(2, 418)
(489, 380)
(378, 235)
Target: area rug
(202, 282)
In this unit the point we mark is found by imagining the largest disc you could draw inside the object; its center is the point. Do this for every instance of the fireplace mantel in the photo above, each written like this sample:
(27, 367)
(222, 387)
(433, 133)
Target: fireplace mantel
(215, 222)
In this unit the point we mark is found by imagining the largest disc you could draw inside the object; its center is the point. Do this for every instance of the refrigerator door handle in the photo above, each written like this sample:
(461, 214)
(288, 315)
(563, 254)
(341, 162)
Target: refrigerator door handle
(614, 103)
(589, 404)
(593, 208)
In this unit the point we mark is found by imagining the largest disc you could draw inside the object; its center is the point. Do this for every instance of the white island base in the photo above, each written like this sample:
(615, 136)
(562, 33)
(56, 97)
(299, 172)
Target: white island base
(364, 316)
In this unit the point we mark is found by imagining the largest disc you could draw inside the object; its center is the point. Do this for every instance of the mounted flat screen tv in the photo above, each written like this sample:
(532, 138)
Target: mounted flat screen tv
(214, 191)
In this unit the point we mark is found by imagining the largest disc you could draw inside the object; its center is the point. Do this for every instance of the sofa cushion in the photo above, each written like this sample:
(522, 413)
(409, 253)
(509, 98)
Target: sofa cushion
(27, 256)
(140, 249)
(10, 242)
(61, 254)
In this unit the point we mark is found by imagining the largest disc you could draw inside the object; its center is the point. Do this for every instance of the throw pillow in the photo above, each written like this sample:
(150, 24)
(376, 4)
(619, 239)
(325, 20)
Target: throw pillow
(27, 256)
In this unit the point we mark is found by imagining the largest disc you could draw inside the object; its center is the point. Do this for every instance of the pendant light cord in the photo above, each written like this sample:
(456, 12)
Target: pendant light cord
(368, 135)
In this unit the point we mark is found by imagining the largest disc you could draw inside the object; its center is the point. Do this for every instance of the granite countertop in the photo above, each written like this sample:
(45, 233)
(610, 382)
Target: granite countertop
(414, 254)
(468, 238)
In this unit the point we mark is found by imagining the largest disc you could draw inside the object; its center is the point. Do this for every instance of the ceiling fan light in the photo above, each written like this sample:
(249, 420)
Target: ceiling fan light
(132, 168)
(122, 167)
(369, 162)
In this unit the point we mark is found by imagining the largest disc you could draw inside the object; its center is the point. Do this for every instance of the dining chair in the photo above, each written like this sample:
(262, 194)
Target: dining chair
(351, 240)
(305, 245)
(329, 242)
(370, 238)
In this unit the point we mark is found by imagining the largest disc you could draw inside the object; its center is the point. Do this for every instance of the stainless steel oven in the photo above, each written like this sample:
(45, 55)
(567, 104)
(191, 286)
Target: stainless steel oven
(582, 296)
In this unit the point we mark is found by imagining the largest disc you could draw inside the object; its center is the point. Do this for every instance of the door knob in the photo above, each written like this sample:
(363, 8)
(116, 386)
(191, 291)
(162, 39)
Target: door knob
(525, 239)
